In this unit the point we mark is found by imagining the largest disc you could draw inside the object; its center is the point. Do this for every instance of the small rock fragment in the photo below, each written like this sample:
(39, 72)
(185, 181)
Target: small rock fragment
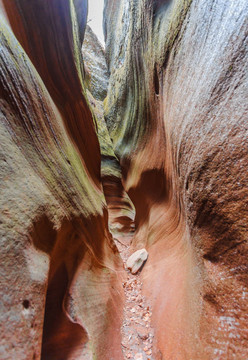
(142, 333)
(146, 317)
(136, 260)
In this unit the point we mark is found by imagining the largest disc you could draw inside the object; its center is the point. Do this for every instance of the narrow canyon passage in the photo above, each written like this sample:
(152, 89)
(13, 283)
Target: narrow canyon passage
(140, 145)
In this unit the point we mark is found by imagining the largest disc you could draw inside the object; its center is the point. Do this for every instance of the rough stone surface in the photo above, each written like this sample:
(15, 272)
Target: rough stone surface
(177, 110)
(120, 208)
(171, 135)
(137, 260)
(95, 64)
(59, 263)
(137, 331)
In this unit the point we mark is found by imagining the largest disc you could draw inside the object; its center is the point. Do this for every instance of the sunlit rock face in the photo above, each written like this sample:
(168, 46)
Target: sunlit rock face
(120, 208)
(60, 286)
(95, 63)
(176, 110)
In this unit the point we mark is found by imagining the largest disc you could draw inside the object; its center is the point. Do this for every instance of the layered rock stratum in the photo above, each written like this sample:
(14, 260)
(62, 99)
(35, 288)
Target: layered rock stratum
(120, 208)
(146, 139)
(177, 113)
(60, 285)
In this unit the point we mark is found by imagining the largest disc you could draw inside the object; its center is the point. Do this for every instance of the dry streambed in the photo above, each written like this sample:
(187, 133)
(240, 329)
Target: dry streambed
(137, 333)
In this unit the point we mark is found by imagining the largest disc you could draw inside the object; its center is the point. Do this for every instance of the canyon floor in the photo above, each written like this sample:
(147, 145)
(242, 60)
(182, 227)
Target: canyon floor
(137, 332)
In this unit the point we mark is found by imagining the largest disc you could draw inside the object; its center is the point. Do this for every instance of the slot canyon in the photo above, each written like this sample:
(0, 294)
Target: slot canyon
(141, 144)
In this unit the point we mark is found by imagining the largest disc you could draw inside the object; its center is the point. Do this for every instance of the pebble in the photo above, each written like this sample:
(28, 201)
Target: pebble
(142, 333)
(138, 356)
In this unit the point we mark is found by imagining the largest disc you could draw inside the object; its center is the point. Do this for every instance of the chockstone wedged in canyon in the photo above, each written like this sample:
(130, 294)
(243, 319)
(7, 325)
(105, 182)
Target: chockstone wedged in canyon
(103, 152)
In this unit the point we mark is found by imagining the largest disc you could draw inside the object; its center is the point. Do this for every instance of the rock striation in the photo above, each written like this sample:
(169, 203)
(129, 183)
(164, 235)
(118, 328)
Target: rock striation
(177, 112)
(97, 75)
(120, 208)
(146, 140)
(60, 288)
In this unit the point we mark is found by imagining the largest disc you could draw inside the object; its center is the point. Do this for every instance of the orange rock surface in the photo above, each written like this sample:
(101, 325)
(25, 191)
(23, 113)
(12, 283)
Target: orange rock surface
(146, 142)
(177, 112)
(60, 269)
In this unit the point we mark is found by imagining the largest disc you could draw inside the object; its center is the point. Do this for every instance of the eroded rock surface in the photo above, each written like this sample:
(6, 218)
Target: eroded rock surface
(177, 113)
(96, 66)
(60, 286)
(120, 208)
(156, 129)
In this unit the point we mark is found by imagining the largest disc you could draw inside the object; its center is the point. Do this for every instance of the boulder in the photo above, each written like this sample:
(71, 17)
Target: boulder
(136, 260)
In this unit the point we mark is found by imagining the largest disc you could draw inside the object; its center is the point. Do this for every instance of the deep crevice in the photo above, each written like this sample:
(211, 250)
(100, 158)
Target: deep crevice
(156, 81)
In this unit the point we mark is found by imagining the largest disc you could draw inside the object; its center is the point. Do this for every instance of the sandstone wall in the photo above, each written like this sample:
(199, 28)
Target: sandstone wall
(172, 137)
(177, 111)
(60, 271)
(120, 208)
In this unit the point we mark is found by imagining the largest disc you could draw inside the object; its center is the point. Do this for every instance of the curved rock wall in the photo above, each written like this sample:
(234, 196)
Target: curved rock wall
(175, 143)
(177, 111)
(61, 272)
(120, 208)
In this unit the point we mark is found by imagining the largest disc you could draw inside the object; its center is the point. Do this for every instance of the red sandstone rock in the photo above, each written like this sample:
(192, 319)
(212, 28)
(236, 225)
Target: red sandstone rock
(176, 110)
(59, 263)
(178, 120)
